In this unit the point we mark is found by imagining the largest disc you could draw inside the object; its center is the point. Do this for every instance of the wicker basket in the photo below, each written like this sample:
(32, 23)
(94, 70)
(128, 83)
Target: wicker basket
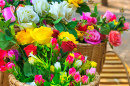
(95, 53)
(14, 82)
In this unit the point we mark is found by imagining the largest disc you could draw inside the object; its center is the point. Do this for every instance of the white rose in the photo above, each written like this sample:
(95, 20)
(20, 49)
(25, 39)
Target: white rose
(26, 26)
(78, 63)
(41, 7)
(57, 65)
(27, 15)
(63, 9)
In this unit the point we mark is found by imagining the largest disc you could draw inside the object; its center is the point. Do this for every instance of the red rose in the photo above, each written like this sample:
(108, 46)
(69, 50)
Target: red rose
(82, 27)
(30, 48)
(68, 46)
(102, 36)
(2, 62)
(55, 33)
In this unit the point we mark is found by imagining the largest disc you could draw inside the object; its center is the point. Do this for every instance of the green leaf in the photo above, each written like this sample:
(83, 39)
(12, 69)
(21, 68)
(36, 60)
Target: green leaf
(56, 78)
(72, 31)
(95, 10)
(16, 3)
(1, 25)
(79, 10)
(59, 27)
(111, 46)
(12, 30)
(57, 21)
(27, 69)
(111, 25)
(7, 23)
(71, 25)
(30, 79)
(47, 84)
(93, 15)
(105, 29)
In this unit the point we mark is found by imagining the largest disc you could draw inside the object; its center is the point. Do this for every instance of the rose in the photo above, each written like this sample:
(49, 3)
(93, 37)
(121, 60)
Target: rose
(41, 7)
(70, 59)
(26, 26)
(27, 15)
(82, 58)
(55, 33)
(30, 48)
(2, 62)
(77, 77)
(9, 65)
(2, 3)
(126, 26)
(75, 2)
(90, 20)
(73, 19)
(102, 36)
(91, 71)
(72, 71)
(82, 27)
(39, 80)
(8, 14)
(3, 53)
(42, 35)
(68, 46)
(66, 11)
(109, 16)
(3, 69)
(115, 38)
(94, 37)
(53, 41)
(84, 79)
(76, 55)
(24, 37)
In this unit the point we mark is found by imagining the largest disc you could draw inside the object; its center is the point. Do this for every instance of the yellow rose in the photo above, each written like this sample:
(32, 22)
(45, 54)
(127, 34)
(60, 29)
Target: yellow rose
(66, 36)
(24, 37)
(42, 35)
(52, 68)
(93, 64)
(75, 2)
(90, 27)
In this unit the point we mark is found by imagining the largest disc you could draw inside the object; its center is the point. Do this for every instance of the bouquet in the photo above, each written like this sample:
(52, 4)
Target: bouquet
(93, 28)
(45, 57)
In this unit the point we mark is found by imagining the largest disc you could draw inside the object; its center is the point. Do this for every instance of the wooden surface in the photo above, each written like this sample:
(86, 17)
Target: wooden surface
(113, 73)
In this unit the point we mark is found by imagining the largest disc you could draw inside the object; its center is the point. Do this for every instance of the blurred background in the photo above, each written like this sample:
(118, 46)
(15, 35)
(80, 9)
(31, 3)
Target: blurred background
(115, 6)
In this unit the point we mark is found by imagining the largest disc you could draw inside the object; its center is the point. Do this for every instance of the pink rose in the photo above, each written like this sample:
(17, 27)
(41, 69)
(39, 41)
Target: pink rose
(70, 59)
(54, 41)
(73, 19)
(90, 20)
(39, 80)
(77, 77)
(2, 3)
(9, 65)
(76, 55)
(10, 53)
(84, 79)
(94, 37)
(115, 38)
(72, 71)
(109, 16)
(126, 26)
(87, 71)
(91, 71)
(8, 14)
(82, 58)
(52, 75)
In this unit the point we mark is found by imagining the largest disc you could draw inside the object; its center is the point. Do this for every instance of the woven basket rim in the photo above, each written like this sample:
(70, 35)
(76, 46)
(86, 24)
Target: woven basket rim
(14, 82)
(91, 44)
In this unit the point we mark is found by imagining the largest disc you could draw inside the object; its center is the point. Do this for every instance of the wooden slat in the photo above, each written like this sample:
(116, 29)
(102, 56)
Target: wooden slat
(112, 66)
(112, 58)
(113, 75)
(113, 71)
(113, 62)
(114, 81)
(110, 55)
(114, 85)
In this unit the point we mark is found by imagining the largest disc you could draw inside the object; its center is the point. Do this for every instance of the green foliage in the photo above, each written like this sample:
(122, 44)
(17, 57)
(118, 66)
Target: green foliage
(47, 84)
(105, 29)
(95, 10)
(72, 24)
(93, 15)
(60, 27)
(72, 31)
(56, 79)
(57, 1)
(111, 25)
(57, 21)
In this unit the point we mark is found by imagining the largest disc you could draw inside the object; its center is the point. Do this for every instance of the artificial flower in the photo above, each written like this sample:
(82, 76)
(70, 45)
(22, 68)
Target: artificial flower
(72, 71)
(66, 11)
(53, 41)
(91, 71)
(41, 7)
(8, 14)
(3, 53)
(3, 69)
(70, 59)
(39, 80)
(2, 62)
(93, 64)
(77, 77)
(68, 46)
(76, 55)
(66, 36)
(11, 55)
(103, 37)
(82, 27)
(80, 34)
(52, 76)
(52, 68)
(75, 2)
(27, 15)
(9, 65)
(126, 26)
(26, 26)
(2, 3)
(30, 49)
(42, 35)
(115, 38)
(82, 58)
(90, 20)
(93, 38)
(109, 16)
(31, 60)
(55, 33)
(24, 37)
(77, 63)
(16, 53)
(90, 27)
(85, 79)
(57, 67)
(73, 19)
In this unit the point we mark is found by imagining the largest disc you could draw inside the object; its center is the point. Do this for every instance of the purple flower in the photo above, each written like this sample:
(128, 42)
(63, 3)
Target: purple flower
(93, 38)
(16, 53)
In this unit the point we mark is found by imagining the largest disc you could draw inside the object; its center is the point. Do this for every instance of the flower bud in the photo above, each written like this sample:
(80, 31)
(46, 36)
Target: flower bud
(57, 67)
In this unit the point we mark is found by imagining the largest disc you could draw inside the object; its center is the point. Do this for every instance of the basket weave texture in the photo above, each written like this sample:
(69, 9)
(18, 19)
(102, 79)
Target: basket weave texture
(95, 53)
(14, 82)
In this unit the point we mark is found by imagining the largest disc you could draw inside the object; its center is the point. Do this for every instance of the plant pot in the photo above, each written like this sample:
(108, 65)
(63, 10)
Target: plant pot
(95, 53)
(14, 82)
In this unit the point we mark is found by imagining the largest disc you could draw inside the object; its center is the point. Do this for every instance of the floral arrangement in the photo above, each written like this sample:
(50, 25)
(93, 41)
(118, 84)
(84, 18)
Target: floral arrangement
(45, 57)
(94, 29)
